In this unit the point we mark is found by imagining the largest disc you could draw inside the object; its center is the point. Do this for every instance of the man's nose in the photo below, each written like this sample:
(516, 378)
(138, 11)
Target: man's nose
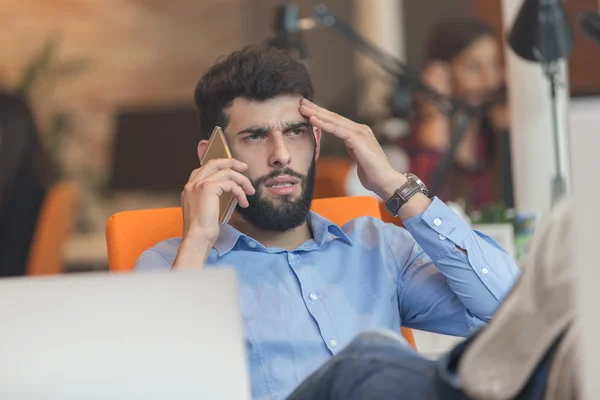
(280, 155)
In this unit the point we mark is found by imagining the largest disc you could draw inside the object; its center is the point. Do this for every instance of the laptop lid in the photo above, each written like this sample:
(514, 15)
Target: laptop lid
(174, 335)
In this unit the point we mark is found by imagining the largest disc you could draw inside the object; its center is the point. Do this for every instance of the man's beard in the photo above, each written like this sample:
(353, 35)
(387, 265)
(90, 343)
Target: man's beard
(285, 214)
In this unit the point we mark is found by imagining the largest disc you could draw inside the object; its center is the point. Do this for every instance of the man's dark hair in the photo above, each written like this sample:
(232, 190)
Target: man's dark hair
(255, 73)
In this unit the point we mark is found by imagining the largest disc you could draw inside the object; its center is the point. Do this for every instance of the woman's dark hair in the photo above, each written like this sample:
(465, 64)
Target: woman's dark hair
(22, 157)
(26, 173)
(255, 73)
(451, 37)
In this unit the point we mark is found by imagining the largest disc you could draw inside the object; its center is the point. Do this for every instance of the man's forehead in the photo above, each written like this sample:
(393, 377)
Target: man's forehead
(283, 101)
(272, 112)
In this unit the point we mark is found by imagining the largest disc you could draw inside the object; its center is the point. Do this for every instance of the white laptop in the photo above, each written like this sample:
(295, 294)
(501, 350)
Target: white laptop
(175, 335)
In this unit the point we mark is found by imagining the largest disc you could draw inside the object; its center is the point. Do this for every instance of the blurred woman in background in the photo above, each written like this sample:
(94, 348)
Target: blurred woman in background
(25, 175)
(464, 61)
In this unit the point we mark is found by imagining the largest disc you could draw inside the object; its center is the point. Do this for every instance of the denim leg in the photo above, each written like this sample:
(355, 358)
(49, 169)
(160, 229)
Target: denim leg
(375, 366)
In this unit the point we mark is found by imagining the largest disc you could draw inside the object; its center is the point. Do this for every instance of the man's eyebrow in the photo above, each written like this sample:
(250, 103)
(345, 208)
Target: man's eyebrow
(263, 130)
(290, 126)
(255, 130)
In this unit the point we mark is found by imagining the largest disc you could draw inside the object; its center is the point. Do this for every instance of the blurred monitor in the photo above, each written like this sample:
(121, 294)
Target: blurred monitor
(155, 149)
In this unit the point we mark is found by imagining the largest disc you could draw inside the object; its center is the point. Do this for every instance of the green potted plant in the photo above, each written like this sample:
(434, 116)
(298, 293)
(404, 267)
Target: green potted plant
(40, 76)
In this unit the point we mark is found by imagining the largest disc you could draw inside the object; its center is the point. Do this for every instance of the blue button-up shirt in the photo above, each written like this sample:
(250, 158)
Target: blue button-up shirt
(301, 307)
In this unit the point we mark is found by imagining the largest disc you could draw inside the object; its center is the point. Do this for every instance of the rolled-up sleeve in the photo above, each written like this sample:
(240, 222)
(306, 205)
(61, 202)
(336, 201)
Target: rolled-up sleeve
(440, 287)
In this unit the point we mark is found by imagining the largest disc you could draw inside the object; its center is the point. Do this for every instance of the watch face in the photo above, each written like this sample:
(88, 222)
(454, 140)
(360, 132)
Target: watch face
(415, 178)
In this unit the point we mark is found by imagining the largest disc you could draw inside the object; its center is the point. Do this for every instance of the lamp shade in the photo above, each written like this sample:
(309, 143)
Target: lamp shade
(287, 34)
(541, 31)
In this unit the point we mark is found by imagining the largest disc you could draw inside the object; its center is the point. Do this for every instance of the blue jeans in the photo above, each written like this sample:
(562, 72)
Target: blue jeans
(381, 366)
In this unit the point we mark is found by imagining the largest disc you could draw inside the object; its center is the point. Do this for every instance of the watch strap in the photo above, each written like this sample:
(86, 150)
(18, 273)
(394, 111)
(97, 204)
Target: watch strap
(402, 196)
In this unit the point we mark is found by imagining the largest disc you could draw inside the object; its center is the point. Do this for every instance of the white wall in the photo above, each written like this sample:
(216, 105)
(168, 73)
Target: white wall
(585, 128)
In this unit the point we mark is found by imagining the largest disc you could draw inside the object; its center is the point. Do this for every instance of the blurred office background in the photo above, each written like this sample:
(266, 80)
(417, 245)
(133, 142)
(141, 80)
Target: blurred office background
(110, 87)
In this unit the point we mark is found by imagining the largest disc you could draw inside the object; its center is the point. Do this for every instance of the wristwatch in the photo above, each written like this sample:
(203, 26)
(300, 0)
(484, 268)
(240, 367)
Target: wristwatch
(413, 186)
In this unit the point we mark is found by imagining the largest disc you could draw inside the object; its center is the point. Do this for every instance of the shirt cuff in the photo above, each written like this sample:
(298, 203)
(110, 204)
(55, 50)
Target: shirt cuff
(438, 230)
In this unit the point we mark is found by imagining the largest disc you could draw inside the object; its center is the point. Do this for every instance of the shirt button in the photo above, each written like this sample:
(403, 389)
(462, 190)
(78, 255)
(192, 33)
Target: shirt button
(442, 237)
(313, 296)
(437, 222)
(252, 244)
(333, 343)
(485, 271)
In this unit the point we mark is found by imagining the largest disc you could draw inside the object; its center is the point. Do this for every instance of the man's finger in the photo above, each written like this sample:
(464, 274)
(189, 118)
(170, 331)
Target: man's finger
(231, 175)
(326, 116)
(217, 164)
(220, 187)
(331, 127)
(309, 109)
(193, 175)
(235, 189)
(221, 163)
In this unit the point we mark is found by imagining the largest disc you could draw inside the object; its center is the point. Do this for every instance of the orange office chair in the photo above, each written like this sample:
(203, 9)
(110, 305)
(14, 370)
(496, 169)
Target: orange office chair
(130, 233)
(55, 222)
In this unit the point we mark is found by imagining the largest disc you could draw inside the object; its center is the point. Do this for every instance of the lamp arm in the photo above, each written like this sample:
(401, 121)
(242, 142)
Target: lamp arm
(391, 64)
(460, 113)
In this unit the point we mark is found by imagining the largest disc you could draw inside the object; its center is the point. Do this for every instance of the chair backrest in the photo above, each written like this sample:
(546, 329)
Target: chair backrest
(130, 233)
(55, 223)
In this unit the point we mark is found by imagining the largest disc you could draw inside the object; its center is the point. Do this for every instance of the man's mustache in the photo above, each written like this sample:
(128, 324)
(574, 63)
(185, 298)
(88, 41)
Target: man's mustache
(278, 172)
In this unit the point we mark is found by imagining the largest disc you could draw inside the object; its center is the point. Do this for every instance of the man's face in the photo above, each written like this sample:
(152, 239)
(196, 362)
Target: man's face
(280, 148)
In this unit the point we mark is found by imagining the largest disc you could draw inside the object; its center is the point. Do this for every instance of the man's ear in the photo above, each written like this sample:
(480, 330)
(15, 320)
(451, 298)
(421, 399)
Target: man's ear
(202, 148)
(317, 134)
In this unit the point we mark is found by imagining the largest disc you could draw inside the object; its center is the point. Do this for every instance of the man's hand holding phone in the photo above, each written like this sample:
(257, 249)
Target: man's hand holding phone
(200, 206)
(200, 196)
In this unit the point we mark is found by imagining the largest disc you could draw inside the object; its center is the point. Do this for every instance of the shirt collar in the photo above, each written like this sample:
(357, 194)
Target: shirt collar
(322, 229)
(228, 238)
